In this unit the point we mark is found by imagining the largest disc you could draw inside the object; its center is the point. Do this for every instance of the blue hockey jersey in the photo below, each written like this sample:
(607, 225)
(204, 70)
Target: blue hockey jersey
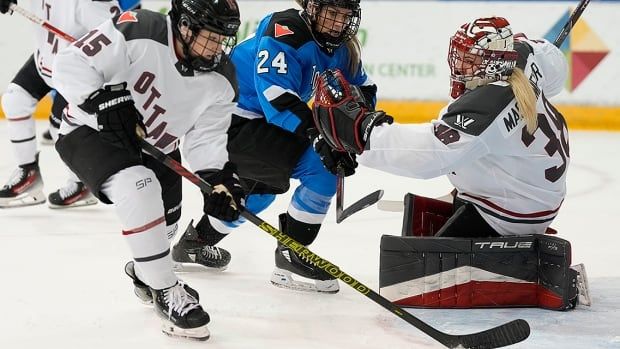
(277, 69)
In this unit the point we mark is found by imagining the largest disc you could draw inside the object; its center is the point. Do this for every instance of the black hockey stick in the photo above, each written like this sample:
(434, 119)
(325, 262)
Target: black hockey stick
(503, 335)
(571, 22)
(342, 214)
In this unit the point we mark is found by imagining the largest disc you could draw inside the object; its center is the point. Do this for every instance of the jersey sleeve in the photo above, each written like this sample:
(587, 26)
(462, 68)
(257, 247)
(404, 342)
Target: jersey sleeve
(90, 13)
(553, 64)
(205, 143)
(277, 80)
(421, 150)
(95, 60)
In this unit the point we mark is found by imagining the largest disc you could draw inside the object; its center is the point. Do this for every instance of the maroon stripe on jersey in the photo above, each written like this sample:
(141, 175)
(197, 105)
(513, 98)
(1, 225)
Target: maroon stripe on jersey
(20, 118)
(512, 213)
(145, 227)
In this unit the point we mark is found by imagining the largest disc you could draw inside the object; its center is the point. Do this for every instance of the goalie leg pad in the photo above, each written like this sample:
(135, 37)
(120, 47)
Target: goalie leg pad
(424, 216)
(514, 271)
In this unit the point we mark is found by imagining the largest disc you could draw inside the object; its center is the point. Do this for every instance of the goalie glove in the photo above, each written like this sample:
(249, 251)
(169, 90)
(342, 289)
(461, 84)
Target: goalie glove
(341, 116)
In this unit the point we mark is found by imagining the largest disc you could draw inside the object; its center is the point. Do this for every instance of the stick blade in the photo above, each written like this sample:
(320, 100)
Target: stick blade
(359, 205)
(509, 333)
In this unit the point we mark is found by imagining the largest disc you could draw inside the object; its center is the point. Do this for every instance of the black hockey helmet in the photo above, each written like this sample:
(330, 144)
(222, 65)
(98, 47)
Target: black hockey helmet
(220, 17)
(322, 23)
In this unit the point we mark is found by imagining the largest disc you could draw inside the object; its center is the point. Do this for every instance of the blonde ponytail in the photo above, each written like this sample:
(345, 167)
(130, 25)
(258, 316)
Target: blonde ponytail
(526, 98)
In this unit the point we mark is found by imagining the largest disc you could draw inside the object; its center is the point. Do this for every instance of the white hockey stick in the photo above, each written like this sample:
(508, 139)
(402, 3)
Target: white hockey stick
(399, 206)
(45, 24)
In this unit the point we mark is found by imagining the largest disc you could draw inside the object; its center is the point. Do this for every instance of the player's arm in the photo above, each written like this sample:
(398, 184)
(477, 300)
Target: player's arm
(93, 60)
(553, 65)
(277, 80)
(205, 150)
(367, 86)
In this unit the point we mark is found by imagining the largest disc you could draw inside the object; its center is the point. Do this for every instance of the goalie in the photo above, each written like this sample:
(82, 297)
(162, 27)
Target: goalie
(501, 143)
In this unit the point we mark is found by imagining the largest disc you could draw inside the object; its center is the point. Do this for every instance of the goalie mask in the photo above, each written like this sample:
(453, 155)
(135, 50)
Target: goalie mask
(332, 22)
(206, 29)
(480, 52)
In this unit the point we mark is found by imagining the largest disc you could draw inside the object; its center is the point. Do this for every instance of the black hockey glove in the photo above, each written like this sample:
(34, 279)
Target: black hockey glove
(333, 159)
(118, 119)
(4, 5)
(228, 195)
(341, 116)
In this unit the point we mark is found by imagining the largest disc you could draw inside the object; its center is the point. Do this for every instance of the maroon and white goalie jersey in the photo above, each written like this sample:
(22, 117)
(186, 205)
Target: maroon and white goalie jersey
(73, 17)
(517, 181)
(138, 48)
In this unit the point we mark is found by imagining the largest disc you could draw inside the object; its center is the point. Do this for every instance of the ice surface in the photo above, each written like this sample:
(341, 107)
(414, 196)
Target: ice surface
(63, 284)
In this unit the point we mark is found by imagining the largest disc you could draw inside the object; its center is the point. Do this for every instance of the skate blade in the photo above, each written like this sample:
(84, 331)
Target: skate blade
(194, 268)
(199, 333)
(284, 279)
(79, 203)
(24, 199)
(582, 285)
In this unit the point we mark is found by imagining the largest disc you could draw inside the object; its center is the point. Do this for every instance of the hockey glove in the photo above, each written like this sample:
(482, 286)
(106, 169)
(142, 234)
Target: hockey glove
(118, 119)
(333, 159)
(341, 116)
(228, 195)
(4, 5)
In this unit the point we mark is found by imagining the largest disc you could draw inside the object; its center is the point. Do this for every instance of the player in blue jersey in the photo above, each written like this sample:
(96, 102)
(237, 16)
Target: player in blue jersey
(277, 69)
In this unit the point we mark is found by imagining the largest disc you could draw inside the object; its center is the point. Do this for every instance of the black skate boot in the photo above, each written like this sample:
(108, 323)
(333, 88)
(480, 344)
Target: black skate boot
(143, 291)
(289, 263)
(73, 194)
(25, 187)
(193, 253)
(46, 138)
(181, 313)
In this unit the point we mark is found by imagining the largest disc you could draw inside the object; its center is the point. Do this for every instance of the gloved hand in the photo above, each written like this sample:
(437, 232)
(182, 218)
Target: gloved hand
(341, 115)
(4, 5)
(228, 195)
(333, 159)
(118, 119)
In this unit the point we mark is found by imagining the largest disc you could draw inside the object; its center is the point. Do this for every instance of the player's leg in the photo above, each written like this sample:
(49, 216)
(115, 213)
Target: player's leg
(25, 186)
(302, 222)
(118, 176)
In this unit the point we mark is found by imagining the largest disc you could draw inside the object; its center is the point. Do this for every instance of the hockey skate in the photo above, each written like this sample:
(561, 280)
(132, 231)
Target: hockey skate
(73, 194)
(583, 288)
(143, 291)
(46, 138)
(25, 187)
(181, 313)
(191, 253)
(288, 263)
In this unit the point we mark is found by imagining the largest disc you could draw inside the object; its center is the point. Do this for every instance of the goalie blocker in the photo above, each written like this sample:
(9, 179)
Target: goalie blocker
(422, 270)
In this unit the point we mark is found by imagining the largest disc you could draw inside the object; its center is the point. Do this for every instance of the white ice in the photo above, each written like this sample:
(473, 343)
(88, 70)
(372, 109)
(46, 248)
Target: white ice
(63, 284)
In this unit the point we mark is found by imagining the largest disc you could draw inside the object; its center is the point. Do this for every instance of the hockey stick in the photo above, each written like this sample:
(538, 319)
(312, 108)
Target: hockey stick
(45, 24)
(342, 214)
(571, 22)
(509, 333)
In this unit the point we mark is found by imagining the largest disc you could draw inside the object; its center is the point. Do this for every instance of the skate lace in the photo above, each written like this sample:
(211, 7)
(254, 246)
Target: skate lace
(16, 177)
(211, 252)
(69, 190)
(179, 300)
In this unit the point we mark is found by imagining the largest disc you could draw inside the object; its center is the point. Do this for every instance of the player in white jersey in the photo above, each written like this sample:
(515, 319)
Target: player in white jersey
(32, 83)
(165, 64)
(500, 142)
(503, 146)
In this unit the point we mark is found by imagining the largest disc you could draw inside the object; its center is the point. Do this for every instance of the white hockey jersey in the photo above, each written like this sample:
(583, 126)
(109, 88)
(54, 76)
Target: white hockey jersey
(138, 48)
(73, 17)
(517, 181)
